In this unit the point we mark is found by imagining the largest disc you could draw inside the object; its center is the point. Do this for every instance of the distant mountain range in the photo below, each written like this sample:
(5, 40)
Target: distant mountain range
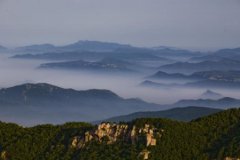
(212, 84)
(164, 75)
(207, 84)
(96, 50)
(186, 67)
(175, 53)
(36, 48)
(169, 59)
(228, 76)
(105, 65)
(80, 46)
(181, 114)
(92, 55)
(94, 46)
(233, 54)
(38, 103)
(223, 103)
(45, 103)
(207, 79)
(162, 51)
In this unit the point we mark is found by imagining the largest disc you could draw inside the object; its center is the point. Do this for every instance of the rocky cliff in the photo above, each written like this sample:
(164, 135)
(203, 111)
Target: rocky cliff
(111, 133)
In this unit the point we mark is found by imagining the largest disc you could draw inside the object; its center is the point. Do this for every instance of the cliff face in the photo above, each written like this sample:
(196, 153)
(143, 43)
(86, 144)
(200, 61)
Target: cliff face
(120, 132)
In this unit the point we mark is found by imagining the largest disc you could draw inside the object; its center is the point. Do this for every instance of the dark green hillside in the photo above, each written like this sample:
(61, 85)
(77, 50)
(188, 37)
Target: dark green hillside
(181, 114)
(212, 137)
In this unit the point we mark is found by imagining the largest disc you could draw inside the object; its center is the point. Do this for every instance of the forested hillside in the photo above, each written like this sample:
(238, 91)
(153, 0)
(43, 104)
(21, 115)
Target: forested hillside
(212, 137)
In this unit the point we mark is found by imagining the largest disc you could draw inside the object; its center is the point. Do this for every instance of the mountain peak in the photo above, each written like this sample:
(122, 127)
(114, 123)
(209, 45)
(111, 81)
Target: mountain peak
(208, 94)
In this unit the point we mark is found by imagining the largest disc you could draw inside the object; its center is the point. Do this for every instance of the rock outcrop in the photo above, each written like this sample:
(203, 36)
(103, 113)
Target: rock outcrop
(4, 155)
(111, 133)
(114, 132)
(145, 154)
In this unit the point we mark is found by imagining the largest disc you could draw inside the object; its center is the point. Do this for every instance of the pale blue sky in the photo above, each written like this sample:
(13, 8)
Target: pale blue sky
(199, 24)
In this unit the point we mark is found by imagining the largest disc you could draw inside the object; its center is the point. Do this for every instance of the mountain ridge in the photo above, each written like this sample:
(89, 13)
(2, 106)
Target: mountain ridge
(180, 114)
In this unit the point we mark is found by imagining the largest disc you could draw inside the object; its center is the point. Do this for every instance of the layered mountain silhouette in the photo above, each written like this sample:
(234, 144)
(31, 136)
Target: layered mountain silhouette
(233, 54)
(80, 45)
(212, 84)
(187, 67)
(36, 48)
(38, 103)
(92, 55)
(181, 114)
(105, 65)
(94, 46)
(207, 79)
(44, 103)
(227, 76)
(223, 103)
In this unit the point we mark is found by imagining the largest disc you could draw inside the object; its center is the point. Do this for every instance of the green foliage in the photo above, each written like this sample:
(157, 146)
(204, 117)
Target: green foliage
(212, 137)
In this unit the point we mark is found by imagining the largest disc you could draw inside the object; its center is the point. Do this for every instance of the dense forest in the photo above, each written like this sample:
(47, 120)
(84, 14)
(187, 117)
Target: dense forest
(212, 137)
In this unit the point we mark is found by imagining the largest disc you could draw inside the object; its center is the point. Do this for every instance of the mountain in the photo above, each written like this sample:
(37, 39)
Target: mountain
(78, 46)
(174, 53)
(148, 83)
(164, 75)
(36, 48)
(105, 65)
(38, 103)
(224, 103)
(207, 79)
(94, 46)
(206, 84)
(172, 77)
(211, 95)
(71, 55)
(90, 66)
(218, 75)
(229, 75)
(92, 55)
(213, 84)
(181, 114)
(211, 137)
(186, 67)
(232, 54)
(166, 54)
